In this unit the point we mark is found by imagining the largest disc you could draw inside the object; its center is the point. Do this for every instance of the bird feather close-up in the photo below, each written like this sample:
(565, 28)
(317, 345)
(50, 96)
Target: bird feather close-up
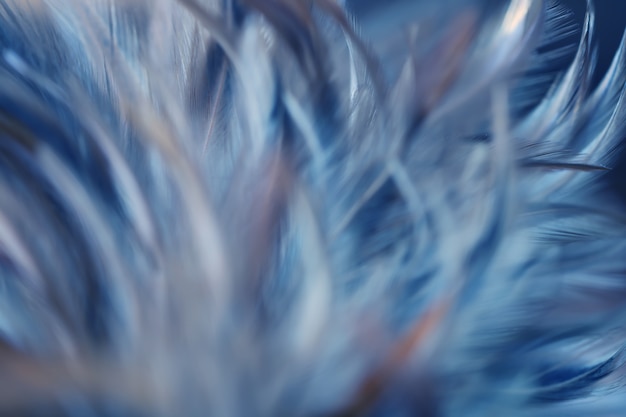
(309, 208)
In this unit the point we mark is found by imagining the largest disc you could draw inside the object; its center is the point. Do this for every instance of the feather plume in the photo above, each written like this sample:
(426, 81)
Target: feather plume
(308, 208)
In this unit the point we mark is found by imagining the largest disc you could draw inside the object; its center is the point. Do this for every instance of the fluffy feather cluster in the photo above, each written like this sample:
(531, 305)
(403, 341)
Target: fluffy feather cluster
(308, 208)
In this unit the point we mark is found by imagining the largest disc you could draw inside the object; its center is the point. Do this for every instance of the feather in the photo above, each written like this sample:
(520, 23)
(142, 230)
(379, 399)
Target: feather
(308, 208)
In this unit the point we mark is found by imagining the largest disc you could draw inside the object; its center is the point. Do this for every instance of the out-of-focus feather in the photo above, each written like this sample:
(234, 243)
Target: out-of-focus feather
(249, 207)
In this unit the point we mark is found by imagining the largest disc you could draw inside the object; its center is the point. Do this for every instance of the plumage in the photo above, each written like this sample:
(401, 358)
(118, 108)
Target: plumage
(308, 208)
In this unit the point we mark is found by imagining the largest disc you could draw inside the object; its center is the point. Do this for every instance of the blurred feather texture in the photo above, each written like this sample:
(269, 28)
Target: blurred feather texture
(308, 208)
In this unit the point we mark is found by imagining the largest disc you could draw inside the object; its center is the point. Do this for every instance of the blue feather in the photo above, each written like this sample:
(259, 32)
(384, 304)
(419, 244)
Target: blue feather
(308, 208)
